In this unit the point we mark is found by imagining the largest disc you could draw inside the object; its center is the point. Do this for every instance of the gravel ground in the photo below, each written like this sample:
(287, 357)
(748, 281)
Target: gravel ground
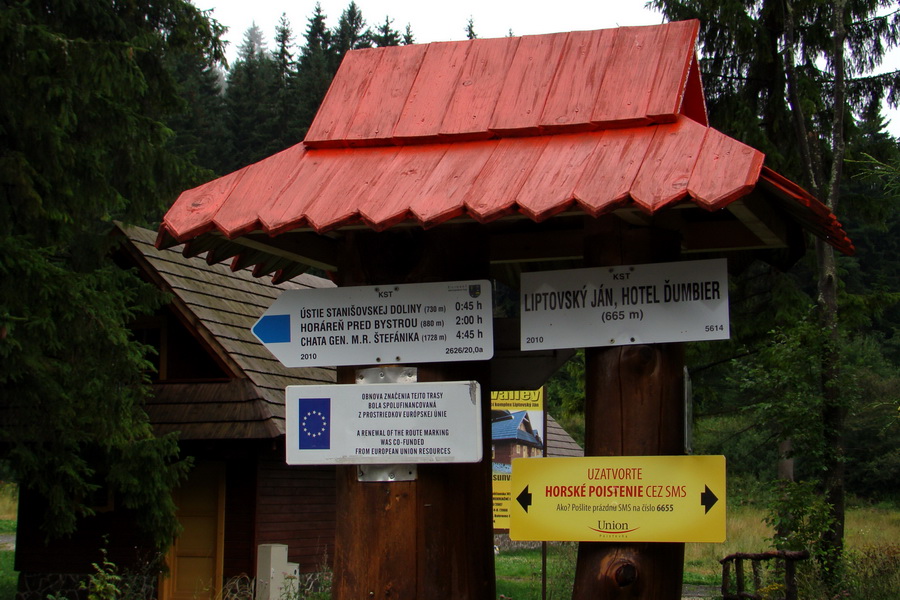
(700, 592)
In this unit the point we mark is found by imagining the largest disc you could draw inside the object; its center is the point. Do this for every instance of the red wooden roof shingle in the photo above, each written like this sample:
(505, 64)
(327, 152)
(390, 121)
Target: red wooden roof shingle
(481, 129)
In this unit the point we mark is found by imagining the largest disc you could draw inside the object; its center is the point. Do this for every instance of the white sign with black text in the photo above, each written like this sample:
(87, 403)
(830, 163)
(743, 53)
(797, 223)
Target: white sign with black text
(622, 305)
(384, 423)
(386, 324)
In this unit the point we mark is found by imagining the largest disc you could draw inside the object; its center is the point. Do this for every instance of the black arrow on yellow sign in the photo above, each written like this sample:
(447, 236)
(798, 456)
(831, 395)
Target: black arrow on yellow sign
(708, 499)
(524, 498)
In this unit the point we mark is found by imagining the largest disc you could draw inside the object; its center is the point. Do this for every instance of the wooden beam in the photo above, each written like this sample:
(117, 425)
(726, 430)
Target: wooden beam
(311, 249)
(633, 406)
(758, 216)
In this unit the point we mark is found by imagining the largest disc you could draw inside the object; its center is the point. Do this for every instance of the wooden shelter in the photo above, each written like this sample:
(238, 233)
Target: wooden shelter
(465, 160)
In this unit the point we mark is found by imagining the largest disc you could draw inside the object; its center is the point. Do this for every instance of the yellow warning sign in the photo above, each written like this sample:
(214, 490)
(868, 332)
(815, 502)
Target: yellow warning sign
(619, 498)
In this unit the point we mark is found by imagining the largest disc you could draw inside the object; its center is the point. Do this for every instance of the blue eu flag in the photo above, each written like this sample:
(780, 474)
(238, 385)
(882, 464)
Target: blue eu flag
(315, 423)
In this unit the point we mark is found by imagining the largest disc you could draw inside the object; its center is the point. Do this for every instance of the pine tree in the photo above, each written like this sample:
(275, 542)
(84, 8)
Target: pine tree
(84, 95)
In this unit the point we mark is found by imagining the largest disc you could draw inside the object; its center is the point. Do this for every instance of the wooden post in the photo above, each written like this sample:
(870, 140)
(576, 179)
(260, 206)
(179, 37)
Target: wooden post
(633, 406)
(432, 537)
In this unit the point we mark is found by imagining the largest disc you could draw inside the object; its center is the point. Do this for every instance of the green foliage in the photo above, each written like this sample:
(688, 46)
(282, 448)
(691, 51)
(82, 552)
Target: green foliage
(518, 571)
(200, 130)
(9, 578)
(273, 96)
(565, 396)
(108, 582)
(86, 90)
(798, 515)
(747, 46)
(308, 586)
(104, 582)
(470, 29)
(868, 573)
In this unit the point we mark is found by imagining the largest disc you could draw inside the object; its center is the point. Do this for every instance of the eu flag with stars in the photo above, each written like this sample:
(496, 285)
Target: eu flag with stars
(315, 423)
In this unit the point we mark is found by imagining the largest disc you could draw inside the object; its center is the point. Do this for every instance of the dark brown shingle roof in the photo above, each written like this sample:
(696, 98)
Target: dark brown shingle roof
(220, 306)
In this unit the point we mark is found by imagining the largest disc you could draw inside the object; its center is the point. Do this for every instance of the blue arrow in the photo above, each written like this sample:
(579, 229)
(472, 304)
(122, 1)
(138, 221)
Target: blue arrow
(273, 329)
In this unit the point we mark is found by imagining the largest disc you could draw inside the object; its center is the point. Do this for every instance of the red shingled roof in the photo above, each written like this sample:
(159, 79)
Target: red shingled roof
(482, 129)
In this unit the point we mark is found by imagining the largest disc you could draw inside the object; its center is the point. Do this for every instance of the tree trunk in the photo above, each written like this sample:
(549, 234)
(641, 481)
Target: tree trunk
(633, 406)
(834, 412)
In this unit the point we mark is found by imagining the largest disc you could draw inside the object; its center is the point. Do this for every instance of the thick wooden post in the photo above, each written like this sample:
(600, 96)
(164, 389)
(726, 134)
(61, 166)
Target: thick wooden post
(432, 537)
(633, 406)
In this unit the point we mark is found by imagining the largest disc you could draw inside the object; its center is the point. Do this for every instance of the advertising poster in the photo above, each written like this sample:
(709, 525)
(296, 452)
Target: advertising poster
(518, 430)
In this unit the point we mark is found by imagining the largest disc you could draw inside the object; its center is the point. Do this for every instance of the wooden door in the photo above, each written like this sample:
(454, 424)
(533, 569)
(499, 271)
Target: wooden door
(195, 559)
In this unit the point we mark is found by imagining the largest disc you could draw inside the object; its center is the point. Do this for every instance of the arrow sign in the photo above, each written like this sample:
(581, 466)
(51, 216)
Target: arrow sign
(618, 498)
(369, 325)
(708, 499)
(273, 329)
(524, 499)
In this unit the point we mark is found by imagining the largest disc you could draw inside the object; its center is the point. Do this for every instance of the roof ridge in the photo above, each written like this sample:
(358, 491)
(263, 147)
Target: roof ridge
(499, 87)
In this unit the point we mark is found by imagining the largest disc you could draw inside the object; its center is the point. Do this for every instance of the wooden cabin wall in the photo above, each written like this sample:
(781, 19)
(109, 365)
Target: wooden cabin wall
(240, 511)
(296, 506)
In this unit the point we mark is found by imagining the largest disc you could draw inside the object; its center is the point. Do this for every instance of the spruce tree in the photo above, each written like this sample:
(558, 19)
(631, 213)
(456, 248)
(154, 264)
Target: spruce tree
(84, 95)
(200, 131)
(470, 29)
(286, 127)
(249, 99)
(349, 34)
(314, 71)
(408, 37)
(386, 35)
(791, 77)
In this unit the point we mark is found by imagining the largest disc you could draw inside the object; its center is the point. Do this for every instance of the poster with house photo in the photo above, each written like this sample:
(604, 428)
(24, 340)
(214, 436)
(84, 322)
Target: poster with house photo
(518, 430)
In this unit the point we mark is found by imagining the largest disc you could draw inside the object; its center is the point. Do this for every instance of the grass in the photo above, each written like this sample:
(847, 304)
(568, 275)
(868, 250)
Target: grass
(8, 577)
(868, 530)
(518, 571)
(9, 501)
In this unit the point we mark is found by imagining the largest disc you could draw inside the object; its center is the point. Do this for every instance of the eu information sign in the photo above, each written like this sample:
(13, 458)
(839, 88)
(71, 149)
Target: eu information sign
(383, 423)
(370, 325)
(622, 305)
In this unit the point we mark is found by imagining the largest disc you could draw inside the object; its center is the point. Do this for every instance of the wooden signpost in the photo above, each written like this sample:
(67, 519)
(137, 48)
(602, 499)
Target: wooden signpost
(430, 164)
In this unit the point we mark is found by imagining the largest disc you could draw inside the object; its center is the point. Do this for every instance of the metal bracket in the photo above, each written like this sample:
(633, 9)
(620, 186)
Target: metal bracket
(387, 473)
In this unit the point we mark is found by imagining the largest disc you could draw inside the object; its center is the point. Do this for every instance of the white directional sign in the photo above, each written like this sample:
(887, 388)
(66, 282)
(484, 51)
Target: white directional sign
(370, 325)
(384, 423)
(615, 306)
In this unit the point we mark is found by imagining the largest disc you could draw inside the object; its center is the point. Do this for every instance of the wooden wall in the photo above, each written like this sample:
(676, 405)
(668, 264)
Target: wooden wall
(296, 506)
(240, 508)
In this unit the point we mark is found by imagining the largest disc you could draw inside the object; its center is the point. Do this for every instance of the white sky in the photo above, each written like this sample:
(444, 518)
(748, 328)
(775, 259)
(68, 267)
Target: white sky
(433, 22)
